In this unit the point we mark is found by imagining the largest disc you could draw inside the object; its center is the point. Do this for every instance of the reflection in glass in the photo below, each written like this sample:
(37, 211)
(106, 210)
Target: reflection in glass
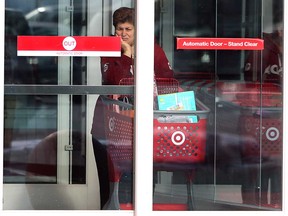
(243, 93)
(31, 140)
(28, 149)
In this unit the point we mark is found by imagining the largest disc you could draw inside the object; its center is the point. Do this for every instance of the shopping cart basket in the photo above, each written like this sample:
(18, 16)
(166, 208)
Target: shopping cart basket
(178, 143)
(176, 139)
(118, 125)
(260, 111)
(242, 108)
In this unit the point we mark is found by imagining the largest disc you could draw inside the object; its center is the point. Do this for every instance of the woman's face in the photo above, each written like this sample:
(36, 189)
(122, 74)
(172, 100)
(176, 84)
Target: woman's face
(126, 32)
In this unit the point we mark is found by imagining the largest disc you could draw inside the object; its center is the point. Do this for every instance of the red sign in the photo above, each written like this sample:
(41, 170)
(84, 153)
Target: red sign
(220, 43)
(68, 46)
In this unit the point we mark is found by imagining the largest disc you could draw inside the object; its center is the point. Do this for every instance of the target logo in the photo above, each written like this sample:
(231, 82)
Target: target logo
(112, 124)
(69, 43)
(272, 133)
(178, 138)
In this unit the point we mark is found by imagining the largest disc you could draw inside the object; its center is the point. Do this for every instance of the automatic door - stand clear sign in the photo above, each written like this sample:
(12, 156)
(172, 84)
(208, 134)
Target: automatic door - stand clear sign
(220, 43)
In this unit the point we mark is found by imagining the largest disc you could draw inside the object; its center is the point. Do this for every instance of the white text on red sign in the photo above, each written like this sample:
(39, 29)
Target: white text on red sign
(220, 43)
(68, 46)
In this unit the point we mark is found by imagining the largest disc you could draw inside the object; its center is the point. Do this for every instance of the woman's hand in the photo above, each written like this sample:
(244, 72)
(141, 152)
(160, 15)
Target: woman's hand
(127, 49)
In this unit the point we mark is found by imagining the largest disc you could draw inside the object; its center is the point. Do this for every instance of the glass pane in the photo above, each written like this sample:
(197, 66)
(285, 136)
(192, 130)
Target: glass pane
(32, 118)
(202, 26)
(48, 128)
(31, 137)
(40, 18)
(28, 123)
(224, 150)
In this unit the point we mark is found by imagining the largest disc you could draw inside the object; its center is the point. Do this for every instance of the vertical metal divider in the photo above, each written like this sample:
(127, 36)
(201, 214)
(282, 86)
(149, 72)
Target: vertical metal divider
(144, 107)
(285, 115)
(215, 108)
(94, 18)
(64, 103)
(2, 33)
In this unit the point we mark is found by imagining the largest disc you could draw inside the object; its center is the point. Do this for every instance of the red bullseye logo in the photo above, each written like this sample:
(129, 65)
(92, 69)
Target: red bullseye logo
(272, 133)
(111, 124)
(69, 43)
(178, 138)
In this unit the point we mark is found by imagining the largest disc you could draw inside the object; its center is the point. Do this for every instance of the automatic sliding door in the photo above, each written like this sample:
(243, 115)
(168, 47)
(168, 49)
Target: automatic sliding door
(240, 140)
(49, 108)
(44, 131)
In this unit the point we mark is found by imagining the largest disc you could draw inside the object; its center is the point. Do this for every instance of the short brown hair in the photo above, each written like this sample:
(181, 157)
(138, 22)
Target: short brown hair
(122, 15)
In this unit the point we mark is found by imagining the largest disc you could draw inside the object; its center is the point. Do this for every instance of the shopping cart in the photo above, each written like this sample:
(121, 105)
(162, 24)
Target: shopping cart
(252, 114)
(178, 143)
(259, 109)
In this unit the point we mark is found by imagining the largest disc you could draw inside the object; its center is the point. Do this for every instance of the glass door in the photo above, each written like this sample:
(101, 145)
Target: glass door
(48, 159)
(49, 149)
(231, 156)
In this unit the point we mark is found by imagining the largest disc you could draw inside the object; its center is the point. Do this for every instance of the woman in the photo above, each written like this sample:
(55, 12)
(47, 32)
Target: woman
(113, 70)
(116, 68)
